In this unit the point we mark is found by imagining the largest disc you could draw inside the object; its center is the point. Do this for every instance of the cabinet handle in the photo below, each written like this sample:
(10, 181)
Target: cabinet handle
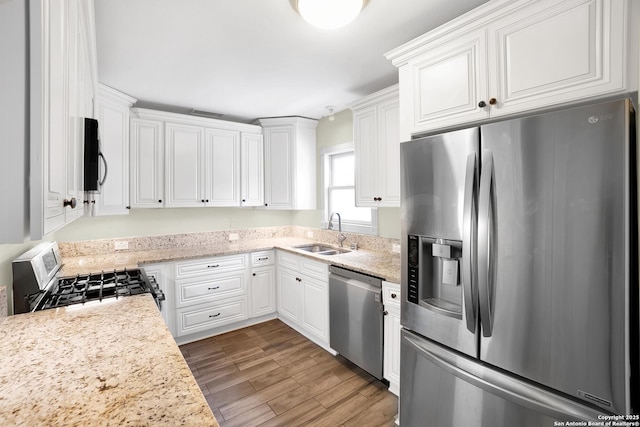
(214, 315)
(213, 289)
(482, 104)
(128, 207)
(493, 101)
(263, 259)
(213, 266)
(385, 312)
(298, 279)
(393, 295)
(73, 203)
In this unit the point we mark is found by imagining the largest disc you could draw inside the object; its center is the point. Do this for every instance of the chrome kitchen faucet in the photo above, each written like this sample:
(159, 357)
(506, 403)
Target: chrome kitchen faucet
(341, 236)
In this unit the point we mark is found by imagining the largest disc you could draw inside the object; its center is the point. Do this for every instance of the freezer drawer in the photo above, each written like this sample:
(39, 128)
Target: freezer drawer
(440, 388)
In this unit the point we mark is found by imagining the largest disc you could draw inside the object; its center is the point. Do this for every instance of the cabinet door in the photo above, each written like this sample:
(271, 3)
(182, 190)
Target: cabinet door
(392, 348)
(184, 165)
(222, 168)
(114, 141)
(388, 154)
(316, 307)
(366, 156)
(147, 164)
(279, 163)
(444, 85)
(252, 170)
(56, 101)
(289, 295)
(263, 291)
(555, 52)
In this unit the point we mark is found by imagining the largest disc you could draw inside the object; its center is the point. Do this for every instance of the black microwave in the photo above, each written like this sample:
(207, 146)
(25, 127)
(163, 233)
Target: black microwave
(95, 165)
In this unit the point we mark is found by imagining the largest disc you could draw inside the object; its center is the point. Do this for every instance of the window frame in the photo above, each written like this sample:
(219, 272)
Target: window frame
(326, 153)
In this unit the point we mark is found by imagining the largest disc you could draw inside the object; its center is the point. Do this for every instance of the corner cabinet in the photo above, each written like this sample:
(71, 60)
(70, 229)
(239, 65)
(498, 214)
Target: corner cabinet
(507, 57)
(290, 162)
(376, 140)
(113, 118)
(63, 82)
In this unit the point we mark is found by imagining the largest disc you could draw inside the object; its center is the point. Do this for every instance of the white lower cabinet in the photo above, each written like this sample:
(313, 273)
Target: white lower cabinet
(303, 296)
(210, 292)
(262, 290)
(391, 365)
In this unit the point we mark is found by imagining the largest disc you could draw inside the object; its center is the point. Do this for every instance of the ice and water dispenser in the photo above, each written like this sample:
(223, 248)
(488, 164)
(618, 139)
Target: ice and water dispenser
(434, 274)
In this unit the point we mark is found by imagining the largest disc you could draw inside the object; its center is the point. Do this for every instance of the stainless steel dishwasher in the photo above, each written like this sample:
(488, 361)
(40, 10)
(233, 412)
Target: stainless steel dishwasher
(356, 318)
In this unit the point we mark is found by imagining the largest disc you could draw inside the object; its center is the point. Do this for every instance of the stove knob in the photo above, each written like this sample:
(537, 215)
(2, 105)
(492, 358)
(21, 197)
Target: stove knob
(73, 203)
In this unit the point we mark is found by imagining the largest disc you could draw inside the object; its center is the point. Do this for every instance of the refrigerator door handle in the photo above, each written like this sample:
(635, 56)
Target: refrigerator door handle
(486, 239)
(469, 243)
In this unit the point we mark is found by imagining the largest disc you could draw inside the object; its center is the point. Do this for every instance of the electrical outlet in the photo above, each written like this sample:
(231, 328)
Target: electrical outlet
(309, 234)
(121, 245)
(233, 236)
(395, 248)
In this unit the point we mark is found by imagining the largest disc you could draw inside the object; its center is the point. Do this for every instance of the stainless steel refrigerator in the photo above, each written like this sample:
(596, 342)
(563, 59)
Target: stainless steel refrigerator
(520, 271)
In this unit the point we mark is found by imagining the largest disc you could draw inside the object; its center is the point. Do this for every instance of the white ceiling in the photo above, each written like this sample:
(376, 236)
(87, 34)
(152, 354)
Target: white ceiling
(247, 59)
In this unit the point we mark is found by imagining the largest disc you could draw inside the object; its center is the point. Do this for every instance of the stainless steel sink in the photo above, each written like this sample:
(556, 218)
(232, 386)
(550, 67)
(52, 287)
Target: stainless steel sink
(320, 249)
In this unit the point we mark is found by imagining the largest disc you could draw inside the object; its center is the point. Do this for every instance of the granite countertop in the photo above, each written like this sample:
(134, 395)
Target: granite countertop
(383, 265)
(109, 363)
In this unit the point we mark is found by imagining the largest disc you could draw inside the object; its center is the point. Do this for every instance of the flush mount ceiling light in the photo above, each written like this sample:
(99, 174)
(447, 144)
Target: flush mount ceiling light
(328, 14)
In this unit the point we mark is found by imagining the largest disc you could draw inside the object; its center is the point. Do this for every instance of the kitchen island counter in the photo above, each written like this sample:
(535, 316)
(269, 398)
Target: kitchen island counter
(98, 364)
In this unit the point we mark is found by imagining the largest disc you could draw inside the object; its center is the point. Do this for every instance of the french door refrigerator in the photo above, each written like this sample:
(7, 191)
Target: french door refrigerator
(520, 271)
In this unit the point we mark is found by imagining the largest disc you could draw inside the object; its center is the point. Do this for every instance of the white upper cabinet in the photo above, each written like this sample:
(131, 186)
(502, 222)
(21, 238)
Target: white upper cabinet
(146, 163)
(222, 169)
(179, 160)
(113, 118)
(252, 170)
(508, 57)
(290, 162)
(184, 165)
(63, 79)
(376, 138)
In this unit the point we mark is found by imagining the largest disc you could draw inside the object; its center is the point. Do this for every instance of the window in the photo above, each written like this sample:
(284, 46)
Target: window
(340, 192)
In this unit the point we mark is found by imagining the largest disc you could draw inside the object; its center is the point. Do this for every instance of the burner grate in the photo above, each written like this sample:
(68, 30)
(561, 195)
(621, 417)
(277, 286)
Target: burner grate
(96, 287)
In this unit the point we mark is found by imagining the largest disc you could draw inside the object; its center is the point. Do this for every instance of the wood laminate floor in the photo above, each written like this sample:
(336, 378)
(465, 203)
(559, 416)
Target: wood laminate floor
(270, 375)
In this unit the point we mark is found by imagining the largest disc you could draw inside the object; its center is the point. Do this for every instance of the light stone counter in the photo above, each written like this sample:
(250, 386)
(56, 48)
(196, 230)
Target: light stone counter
(379, 264)
(101, 364)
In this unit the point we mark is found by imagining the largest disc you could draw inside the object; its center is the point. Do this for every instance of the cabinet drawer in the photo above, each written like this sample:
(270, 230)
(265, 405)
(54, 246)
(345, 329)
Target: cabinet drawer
(390, 294)
(211, 265)
(259, 259)
(201, 289)
(207, 316)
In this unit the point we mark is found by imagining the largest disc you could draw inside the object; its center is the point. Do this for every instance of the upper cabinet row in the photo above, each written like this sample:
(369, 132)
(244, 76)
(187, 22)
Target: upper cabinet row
(182, 161)
(507, 57)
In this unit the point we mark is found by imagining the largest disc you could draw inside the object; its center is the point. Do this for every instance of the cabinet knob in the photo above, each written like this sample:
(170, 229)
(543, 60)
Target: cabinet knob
(160, 201)
(128, 207)
(393, 295)
(73, 203)
(202, 200)
(493, 101)
(253, 274)
(266, 204)
(207, 200)
(482, 104)
(385, 312)
(243, 200)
